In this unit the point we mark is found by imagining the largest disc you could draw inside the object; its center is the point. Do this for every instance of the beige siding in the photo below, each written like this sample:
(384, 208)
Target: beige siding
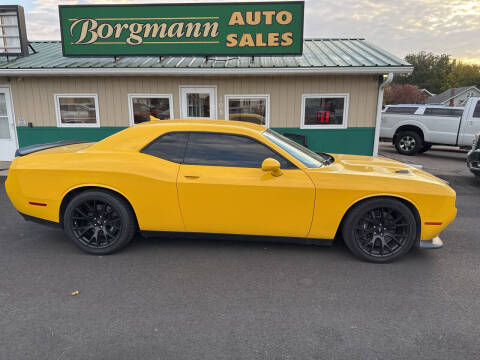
(34, 96)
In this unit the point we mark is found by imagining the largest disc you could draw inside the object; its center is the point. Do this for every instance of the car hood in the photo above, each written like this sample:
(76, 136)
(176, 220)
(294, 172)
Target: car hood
(376, 166)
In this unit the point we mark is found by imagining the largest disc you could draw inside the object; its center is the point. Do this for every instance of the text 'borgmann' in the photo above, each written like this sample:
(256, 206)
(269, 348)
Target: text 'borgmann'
(90, 31)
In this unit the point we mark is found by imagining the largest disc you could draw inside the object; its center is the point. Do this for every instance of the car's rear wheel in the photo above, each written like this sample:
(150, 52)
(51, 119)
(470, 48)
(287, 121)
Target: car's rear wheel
(408, 142)
(380, 230)
(99, 222)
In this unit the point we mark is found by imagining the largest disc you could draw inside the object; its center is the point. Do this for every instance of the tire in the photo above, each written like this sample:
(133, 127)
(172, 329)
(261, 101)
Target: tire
(425, 148)
(408, 143)
(99, 222)
(380, 230)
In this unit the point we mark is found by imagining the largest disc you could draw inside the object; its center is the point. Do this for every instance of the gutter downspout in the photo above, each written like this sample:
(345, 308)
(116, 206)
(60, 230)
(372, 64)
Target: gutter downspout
(378, 122)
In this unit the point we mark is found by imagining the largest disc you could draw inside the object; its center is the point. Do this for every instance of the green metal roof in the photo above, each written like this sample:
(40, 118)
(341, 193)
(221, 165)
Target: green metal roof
(319, 55)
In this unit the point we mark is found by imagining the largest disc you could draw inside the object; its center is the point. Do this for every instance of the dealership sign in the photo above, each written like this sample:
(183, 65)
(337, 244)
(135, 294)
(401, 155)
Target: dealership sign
(273, 28)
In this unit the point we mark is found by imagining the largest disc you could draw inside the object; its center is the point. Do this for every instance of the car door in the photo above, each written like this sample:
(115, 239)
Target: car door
(471, 124)
(442, 125)
(222, 189)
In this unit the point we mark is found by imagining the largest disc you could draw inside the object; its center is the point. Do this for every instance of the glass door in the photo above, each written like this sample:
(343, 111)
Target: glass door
(8, 135)
(198, 102)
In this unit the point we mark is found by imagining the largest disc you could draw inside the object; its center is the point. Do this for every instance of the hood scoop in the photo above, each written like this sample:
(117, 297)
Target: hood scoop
(402, 172)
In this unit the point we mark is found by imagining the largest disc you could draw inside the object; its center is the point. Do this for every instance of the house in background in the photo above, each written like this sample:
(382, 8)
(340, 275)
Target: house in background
(426, 92)
(454, 96)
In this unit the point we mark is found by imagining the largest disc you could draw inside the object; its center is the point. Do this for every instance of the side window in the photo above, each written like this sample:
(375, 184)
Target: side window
(401, 110)
(443, 112)
(170, 146)
(229, 150)
(476, 112)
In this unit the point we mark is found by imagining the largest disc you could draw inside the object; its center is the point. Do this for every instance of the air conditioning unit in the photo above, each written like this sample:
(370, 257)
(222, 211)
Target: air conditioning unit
(13, 32)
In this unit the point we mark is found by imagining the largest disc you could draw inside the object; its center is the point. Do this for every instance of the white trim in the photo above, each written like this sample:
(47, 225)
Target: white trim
(148, 96)
(378, 120)
(209, 71)
(73, 96)
(11, 112)
(250, 96)
(213, 114)
(344, 125)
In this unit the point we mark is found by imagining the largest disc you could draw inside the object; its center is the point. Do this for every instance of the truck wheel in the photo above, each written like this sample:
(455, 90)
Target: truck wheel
(425, 148)
(408, 143)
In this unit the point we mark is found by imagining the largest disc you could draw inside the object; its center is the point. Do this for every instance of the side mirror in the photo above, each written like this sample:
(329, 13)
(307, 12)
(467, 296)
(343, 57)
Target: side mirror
(271, 165)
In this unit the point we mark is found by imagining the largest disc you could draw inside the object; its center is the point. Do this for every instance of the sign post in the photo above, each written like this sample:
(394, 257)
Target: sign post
(274, 28)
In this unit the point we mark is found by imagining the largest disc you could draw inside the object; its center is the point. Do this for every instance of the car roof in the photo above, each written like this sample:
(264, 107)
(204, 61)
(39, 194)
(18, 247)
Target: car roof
(134, 137)
(428, 106)
(205, 122)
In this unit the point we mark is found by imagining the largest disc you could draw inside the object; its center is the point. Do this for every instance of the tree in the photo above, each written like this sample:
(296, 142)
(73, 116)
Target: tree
(430, 71)
(437, 73)
(403, 94)
(464, 75)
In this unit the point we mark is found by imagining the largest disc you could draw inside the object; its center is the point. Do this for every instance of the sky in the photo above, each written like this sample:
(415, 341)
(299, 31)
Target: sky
(399, 26)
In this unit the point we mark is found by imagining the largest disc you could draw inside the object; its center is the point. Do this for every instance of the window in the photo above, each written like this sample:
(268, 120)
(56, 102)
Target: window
(309, 158)
(77, 110)
(198, 101)
(405, 110)
(10, 32)
(443, 112)
(327, 111)
(229, 150)
(476, 112)
(198, 105)
(248, 108)
(170, 146)
(146, 107)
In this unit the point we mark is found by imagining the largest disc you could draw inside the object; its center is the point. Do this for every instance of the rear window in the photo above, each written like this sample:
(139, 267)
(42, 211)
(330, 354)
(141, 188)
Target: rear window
(170, 146)
(401, 110)
(443, 112)
(476, 112)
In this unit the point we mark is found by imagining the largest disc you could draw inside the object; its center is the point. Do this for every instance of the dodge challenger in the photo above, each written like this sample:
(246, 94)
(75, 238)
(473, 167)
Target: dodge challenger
(229, 179)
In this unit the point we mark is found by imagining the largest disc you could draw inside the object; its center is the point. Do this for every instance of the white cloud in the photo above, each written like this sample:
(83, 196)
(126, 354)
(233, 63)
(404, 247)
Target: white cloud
(440, 26)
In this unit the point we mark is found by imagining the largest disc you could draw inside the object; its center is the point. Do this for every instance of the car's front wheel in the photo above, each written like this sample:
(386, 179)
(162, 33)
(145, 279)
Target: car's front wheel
(99, 222)
(380, 230)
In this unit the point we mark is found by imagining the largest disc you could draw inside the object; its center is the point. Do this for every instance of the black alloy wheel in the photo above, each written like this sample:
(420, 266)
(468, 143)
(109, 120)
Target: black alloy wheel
(99, 222)
(408, 142)
(380, 230)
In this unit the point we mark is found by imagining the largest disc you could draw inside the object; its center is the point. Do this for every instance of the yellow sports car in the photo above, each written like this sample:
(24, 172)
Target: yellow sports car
(227, 178)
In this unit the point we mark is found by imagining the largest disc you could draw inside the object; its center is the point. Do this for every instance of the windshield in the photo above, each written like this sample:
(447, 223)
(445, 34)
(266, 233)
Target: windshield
(307, 157)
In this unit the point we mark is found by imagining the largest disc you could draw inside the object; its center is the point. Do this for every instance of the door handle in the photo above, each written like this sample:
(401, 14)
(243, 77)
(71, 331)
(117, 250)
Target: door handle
(192, 177)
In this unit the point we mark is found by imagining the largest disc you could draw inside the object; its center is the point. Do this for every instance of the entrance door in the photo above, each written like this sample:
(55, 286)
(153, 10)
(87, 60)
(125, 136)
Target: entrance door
(198, 102)
(8, 134)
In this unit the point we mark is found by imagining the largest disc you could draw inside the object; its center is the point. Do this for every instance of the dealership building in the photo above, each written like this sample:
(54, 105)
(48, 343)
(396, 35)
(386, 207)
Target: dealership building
(328, 98)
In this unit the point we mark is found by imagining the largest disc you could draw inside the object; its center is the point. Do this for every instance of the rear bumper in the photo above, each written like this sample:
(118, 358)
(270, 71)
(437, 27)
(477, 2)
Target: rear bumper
(40, 221)
(435, 243)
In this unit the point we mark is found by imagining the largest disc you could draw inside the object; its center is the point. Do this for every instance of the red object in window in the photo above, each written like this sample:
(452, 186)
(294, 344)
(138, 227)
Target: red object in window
(323, 117)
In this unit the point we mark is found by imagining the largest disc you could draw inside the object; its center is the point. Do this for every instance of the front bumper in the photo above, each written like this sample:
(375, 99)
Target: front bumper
(435, 243)
(473, 161)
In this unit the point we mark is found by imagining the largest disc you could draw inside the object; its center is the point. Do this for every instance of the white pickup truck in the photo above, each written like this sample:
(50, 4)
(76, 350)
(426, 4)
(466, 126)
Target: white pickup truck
(415, 128)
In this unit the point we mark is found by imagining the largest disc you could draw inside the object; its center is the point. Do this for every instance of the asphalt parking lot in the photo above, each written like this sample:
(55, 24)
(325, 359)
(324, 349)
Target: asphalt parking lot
(200, 299)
